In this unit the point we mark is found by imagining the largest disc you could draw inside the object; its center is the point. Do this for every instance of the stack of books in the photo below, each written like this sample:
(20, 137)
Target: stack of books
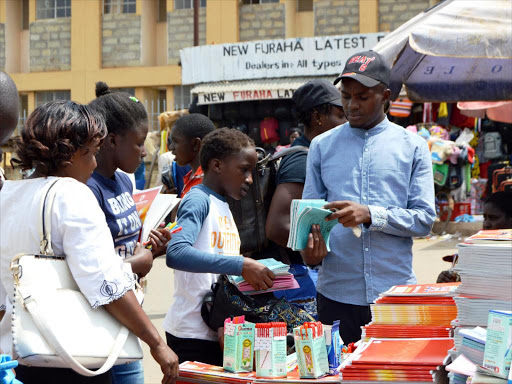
(200, 373)
(485, 267)
(284, 280)
(413, 311)
(397, 360)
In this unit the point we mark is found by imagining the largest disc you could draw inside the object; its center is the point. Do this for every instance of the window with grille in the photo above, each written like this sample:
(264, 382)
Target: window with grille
(119, 6)
(52, 9)
(304, 5)
(46, 96)
(130, 91)
(188, 4)
(24, 15)
(182, 96)
(162, 11)
(259, 1)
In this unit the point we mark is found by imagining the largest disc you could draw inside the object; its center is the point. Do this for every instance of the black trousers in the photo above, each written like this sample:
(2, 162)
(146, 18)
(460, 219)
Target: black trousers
(351, 317)
(203, 351)
(39, 375)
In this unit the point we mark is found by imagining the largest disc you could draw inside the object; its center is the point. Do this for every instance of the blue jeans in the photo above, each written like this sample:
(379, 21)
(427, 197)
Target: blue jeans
(131, 373)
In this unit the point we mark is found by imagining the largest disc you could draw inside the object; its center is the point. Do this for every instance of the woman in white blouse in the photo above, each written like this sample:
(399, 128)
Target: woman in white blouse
(60, 139)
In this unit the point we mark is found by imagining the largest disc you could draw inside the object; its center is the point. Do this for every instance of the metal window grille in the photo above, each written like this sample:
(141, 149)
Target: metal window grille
(24, 14)
(162, 11)
(188, 4)
(119, 6)
(247, 2)
(182, 96)
(304, 5)
(46, 96)
(52, 9)
(130, 91)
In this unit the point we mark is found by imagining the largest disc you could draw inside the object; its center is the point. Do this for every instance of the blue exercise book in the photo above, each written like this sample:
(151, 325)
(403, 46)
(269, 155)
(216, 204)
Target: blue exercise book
(277, 267)
(303, 214)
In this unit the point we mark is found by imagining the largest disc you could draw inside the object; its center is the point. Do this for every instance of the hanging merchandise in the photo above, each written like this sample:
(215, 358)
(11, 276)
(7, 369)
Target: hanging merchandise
(269, 130)
(441, 150)
(400, 108)
(427, 113)
(441, 172)
(465, 136)
(444, 114)
(492, 145)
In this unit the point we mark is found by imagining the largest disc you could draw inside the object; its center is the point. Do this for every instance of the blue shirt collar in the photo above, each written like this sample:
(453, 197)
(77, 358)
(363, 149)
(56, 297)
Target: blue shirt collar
(381, 127)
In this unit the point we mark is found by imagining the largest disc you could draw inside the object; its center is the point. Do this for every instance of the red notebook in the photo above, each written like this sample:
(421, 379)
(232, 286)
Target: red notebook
(405, 351)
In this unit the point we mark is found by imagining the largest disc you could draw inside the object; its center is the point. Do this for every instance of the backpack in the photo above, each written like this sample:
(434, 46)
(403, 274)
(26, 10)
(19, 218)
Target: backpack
(250, 213)
(492, 145)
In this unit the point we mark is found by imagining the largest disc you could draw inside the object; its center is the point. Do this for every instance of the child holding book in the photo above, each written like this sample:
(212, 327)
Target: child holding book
(123, 148)
(209, 244)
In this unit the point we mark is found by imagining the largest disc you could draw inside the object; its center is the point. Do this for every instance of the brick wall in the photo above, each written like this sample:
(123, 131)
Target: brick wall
(2, 46)
(121, 40)
(50, 45)
(336, 17)
(394, 13)
(262, 22)
(180, 30)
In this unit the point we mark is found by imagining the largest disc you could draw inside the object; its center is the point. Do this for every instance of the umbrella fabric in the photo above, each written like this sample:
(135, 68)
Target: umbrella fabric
(457, 51)
(497, 111)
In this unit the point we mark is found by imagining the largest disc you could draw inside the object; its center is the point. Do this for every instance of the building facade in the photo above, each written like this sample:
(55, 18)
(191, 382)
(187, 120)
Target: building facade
(60, 48)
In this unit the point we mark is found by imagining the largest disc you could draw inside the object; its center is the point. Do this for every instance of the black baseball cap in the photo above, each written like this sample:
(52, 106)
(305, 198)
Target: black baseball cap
(368, 68)
(314, 93)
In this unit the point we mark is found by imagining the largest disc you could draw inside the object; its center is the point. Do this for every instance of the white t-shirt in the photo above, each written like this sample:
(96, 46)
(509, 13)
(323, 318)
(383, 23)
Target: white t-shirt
(79, 231)
(210, 240)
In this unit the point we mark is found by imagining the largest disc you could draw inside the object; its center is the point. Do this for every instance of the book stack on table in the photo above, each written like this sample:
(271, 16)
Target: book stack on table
(398, 360)
(413, 311)
(485, 267)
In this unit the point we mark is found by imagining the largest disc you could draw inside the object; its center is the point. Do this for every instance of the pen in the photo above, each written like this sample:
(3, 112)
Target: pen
(168, 227)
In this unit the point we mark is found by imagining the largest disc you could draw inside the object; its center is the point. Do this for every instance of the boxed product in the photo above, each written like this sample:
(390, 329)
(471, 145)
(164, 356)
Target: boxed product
(270, 350)
(497, 355)
(311, 350)
(238, 345)
(334, 344)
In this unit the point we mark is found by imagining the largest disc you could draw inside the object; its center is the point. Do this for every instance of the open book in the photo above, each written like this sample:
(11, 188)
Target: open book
(153, 207)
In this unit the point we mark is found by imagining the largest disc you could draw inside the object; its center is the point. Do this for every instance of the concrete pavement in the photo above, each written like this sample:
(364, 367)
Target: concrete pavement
(427, 264)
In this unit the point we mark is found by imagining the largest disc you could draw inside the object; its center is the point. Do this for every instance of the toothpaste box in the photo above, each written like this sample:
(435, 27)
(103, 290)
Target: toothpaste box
(238, 345)
(497, 355)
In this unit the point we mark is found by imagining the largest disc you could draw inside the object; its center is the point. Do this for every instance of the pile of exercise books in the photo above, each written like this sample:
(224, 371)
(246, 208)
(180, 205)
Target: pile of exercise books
(485, 267)
(303, 214)
(194, 372)
(284, 279)
(413, 311)
(398, 360)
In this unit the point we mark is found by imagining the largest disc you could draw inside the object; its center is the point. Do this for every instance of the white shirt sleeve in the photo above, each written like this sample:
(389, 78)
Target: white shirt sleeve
(80, 232)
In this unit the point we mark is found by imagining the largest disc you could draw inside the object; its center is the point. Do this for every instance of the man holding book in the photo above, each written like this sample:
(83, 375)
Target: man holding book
(377, 175)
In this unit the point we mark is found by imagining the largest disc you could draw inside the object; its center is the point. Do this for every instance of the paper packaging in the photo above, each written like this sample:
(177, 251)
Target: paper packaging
(270, 350)
(497, 354)
(238, 345)
(311, 350)
(333, 343)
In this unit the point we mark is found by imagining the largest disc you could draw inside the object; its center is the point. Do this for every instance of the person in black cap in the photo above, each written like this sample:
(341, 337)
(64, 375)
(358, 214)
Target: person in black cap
(318, 107)
(378, 176)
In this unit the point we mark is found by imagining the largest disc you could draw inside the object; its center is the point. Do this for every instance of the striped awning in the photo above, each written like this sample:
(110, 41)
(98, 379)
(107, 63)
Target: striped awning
(246, 90)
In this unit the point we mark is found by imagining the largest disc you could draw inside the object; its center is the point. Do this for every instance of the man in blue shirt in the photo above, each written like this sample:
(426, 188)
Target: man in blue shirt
(377, 175)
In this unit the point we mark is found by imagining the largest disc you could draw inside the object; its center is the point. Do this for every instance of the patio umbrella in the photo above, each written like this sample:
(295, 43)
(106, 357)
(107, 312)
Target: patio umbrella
(456, 51)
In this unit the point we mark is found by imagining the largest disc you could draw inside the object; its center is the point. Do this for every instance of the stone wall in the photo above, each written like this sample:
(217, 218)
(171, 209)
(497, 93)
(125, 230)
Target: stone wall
(2, 46)
(262, 21)
(50, 45)
(394, 13)
(121, 40)
(180, 32)
(336, 17)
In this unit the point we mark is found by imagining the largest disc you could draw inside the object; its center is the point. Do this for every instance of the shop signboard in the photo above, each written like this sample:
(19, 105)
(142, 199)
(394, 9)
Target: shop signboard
(309, 56)
(245, 95)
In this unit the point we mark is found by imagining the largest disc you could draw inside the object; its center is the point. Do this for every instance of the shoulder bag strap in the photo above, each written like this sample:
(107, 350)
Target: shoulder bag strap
(37, 313)
(288, 151)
